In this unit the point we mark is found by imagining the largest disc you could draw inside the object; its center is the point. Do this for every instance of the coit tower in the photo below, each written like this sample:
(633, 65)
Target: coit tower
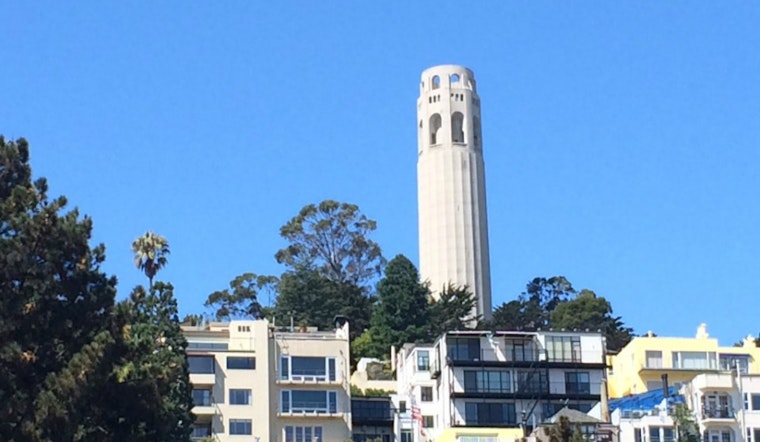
(451, 191)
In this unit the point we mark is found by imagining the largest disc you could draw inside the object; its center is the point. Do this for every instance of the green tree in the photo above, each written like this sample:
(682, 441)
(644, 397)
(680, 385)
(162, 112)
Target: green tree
(55, 309)
(686, 429)
(401, 313)
(332, 238)
(590, 312)
(453, 310)
(310, 298)
(241, 299)
(533, 309)
(151, 370)
(151, 251)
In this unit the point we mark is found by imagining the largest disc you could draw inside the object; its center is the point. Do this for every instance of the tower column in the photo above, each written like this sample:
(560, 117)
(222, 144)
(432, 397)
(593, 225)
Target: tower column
(453, 226)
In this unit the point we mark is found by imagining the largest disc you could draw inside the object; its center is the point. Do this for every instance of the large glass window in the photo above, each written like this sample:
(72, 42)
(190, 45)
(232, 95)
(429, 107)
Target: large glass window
(464, 349)
(499, 413)
(240, 397)
(307, 368)
(487, 381)
(303, 434)
(308, 401)
(406, 436)
(201, 397)
(563, 348)
(423, 360)
(577, 383)
(241, 427)
(369, 409)
(733, 362)
(520, 350)
(530, 381)
(241, 363)
(201, 364)
(694, 360)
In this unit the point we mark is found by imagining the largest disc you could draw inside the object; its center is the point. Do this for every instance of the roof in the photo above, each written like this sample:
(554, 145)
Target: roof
(645, 401)
(574, 416)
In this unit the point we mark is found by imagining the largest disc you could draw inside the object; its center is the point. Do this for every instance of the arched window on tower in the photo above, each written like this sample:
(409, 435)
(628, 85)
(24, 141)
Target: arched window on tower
(476, 131)
(457, 127)
(454, 78)
(436, 82)
(435, 127)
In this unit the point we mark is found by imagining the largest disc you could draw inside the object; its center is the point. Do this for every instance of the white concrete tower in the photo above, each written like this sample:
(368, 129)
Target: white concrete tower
(451, 191)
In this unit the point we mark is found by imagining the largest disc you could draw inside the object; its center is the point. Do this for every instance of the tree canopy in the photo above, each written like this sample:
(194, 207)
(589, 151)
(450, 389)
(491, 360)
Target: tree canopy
(241, 299)
(554, 303)
(334, 239)
(151, 251)
(65, 347)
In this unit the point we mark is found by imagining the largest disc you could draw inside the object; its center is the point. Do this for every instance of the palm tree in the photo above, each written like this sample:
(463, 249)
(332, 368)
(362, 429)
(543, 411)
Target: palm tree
(150, 254)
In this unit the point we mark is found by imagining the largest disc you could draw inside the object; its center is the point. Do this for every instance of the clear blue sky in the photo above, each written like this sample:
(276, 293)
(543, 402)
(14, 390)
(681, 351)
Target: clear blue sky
(621, 139)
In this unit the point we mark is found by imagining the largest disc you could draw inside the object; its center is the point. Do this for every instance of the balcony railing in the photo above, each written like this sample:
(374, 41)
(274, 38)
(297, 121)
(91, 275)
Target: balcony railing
(718, 413)
(526, 357)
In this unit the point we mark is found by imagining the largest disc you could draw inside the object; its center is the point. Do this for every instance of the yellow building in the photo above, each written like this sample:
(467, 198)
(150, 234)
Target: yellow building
(640, 365)
(481, 434)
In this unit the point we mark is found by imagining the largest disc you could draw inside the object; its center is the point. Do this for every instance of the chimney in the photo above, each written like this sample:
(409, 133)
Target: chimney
(665, 387)
(393, 358)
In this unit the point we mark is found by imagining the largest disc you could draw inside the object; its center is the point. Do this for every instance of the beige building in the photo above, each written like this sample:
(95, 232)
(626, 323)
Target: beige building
(250, 379)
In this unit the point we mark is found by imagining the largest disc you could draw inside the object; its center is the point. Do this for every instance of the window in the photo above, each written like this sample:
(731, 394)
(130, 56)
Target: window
(457, 127)
(200, 364)
(694, 360)
(563, 348)
(406, 436)
(755, 402)
(476, 131)
(755, 435)
(577, 383)
(308, 401)
(201, 431)
(240, 397)
(455, 78)
(241, 363)
(369, 409)
(436, 82)
(654, 359)
(423, 360)
(402, 406)
(732, 362)
(464, 349)
(749, 435)
(206, 346)
(532, 382)
(484, 413)
(244, 328)
(426, 394)
(487, 381)
(428, 421)
(201, 398)
(307, 368)
(435, 126)
(745, 398)
(303, 434)
(241, 427)
(520, 350)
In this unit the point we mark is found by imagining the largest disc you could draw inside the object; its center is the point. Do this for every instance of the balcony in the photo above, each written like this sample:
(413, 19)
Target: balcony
(713, 381)
(204, 410)
(721, 414)
(497, 358)
(307, 378)
(200, 379)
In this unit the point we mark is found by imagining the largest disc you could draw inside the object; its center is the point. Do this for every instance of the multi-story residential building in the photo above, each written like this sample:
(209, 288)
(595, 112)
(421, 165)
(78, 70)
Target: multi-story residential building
(640, 365)
(498, 380)
(250, 379)
(725, 406)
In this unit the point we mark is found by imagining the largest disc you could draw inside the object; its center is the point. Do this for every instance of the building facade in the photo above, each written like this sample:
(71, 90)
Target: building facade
(497, 380)
(250, 379)
(639, 367)
(451, 191)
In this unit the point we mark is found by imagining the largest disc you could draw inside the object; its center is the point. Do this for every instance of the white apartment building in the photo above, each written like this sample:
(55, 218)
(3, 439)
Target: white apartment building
(252, 382)
(501, 380)
(725, 407)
